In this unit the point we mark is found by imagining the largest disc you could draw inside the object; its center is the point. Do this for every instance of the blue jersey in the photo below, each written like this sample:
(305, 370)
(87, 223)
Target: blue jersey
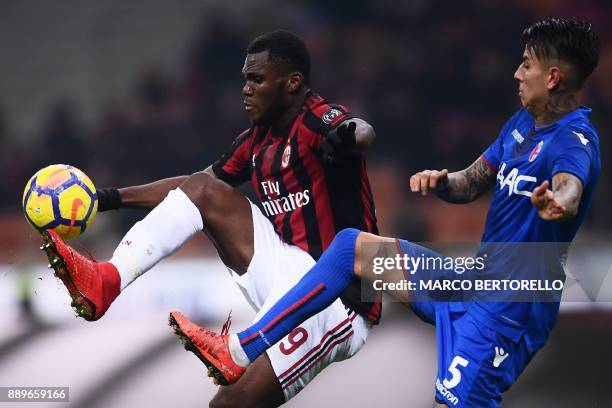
(524, 156)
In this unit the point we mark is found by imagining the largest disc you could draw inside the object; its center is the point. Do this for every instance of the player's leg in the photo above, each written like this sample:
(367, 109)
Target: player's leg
(226, 357)
(268, 262)
(476, 364)
(314, 292)
(333, 335)
(275, 267)
(227, 217)
(202, 201)
(318, 289)
(288, 367)
(349, 256)
(258, 387)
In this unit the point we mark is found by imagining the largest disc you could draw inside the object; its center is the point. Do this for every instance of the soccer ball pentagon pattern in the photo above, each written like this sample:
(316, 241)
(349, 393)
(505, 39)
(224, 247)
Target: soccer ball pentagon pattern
(60, 198)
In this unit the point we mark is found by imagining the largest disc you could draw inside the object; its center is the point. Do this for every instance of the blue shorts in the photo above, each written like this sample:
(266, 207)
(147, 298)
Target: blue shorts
(475, 363)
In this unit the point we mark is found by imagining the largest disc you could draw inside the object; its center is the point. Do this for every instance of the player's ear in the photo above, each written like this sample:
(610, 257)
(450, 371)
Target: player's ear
(554, 77)
(294, 81)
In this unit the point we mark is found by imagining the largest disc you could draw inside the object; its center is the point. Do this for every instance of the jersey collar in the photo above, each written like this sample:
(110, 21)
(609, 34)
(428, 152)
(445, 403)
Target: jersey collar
(582, 112)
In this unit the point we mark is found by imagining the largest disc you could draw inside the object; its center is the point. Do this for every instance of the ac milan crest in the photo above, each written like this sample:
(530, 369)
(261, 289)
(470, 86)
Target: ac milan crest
(286, 156)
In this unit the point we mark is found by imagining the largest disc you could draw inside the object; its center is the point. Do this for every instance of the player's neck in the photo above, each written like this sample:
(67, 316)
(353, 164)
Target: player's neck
(288, 116)
(558, 106)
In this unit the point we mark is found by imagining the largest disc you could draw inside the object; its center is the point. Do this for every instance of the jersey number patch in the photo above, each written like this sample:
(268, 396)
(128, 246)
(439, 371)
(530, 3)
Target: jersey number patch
(455, 373)
(295, 339)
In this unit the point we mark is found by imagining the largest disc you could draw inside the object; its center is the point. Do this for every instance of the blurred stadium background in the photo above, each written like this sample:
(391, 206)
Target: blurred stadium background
(135, 91)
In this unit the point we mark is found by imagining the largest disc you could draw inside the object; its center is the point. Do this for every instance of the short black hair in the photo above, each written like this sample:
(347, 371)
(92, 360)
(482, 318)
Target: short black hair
(284, 47)
(567, 39)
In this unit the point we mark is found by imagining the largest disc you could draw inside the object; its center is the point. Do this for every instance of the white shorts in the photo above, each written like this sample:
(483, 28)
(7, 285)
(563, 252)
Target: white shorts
(335, 334)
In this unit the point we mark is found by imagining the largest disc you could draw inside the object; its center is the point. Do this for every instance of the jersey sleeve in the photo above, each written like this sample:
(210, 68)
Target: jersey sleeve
(493, 155)
(331, 114)
(324, 117)
(573, 153)
(233, 166)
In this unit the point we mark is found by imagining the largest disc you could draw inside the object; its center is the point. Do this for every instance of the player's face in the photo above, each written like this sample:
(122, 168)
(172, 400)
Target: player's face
(533, 77)
(264, 93)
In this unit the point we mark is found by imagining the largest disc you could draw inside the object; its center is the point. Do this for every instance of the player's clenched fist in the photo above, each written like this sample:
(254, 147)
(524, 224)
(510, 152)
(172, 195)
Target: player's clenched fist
(427, 180)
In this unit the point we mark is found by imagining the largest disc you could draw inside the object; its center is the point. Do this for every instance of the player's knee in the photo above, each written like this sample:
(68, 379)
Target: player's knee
(344, 241)
(199, 187)
(346, 238)
(342, 249)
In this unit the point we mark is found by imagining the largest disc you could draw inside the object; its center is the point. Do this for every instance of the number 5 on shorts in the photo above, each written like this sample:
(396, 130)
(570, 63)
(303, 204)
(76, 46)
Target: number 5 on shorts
(456, 374)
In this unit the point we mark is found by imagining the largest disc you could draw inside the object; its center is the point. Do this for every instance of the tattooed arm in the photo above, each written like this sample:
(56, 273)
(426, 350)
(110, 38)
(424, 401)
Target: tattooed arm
(560, 203)
(459, 187)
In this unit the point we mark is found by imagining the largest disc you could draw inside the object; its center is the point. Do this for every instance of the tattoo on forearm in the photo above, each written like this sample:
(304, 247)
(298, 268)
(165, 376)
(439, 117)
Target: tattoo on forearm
(469, 184)
(568, 191)
(561, 182)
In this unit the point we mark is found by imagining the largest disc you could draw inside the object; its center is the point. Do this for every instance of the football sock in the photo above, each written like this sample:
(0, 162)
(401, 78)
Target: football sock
(314, 292)
(165, 229)
(237, 352)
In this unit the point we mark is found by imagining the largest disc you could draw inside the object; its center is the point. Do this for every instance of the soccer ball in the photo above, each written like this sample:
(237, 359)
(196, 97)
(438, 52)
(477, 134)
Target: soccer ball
(60, 198)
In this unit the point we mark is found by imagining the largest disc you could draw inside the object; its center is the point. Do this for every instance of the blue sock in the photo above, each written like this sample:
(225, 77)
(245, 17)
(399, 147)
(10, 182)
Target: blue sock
(314, 292)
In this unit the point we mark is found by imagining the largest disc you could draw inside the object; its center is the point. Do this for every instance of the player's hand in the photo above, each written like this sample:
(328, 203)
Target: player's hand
(339, 142)
(543, 200)
(428, 180)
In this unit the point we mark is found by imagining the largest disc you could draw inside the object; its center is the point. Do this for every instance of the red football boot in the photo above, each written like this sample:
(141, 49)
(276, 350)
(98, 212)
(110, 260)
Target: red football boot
(92, 285)
(210, 347)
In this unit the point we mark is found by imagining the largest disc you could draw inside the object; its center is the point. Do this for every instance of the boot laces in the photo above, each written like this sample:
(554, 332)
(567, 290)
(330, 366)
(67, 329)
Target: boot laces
(227, 324)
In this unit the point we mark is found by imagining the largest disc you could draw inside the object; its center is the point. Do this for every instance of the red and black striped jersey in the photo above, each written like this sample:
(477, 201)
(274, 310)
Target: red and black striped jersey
(307, 200)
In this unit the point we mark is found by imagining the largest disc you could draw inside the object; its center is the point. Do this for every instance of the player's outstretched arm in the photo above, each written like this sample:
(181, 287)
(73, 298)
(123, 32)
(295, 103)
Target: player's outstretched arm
(459, 187)
(145, 196)
(561, 203)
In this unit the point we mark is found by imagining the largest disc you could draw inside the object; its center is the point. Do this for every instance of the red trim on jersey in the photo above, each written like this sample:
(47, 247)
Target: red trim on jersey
(489, 165)
(291, 309)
